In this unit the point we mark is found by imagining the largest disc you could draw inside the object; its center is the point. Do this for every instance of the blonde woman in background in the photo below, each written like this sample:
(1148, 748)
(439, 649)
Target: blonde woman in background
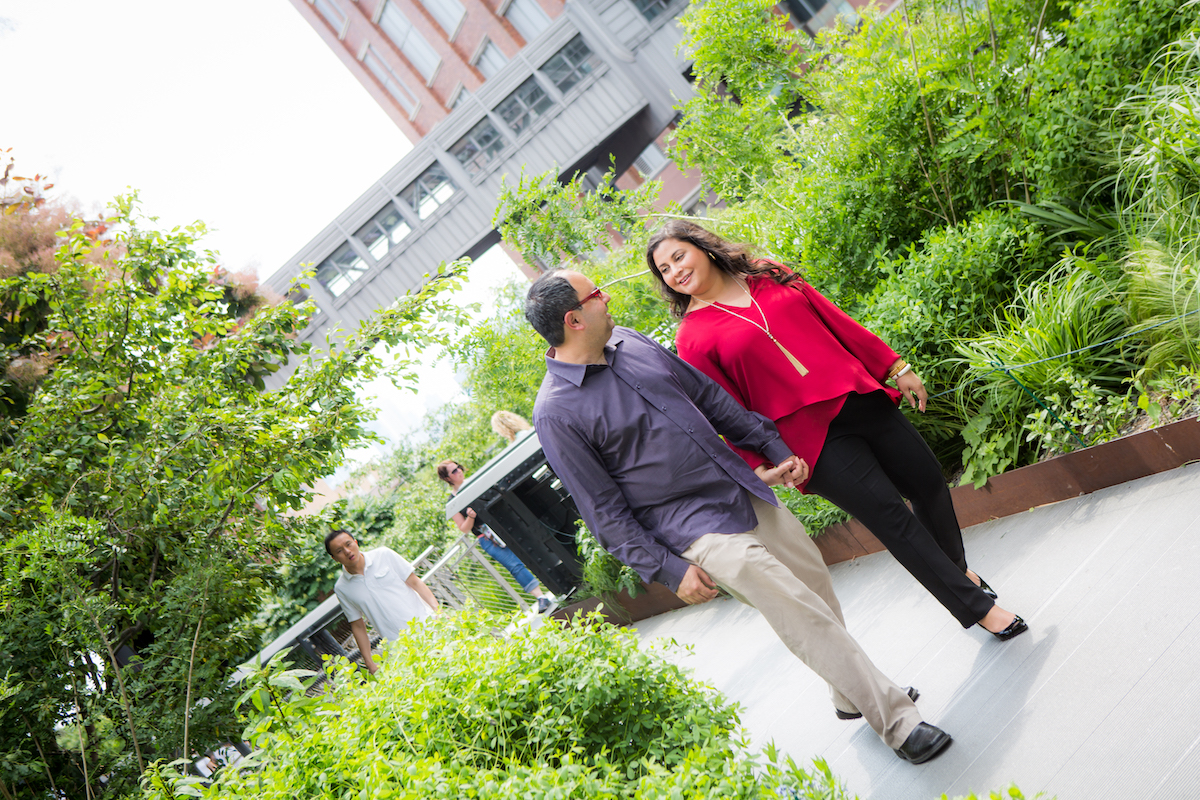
(508, 425)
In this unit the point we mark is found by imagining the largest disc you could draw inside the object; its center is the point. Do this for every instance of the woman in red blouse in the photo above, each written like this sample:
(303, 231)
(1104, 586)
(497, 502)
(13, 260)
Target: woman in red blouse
(783, 350)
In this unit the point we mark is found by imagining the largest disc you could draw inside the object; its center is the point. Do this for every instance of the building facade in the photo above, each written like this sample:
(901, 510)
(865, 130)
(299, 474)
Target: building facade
(488, 91)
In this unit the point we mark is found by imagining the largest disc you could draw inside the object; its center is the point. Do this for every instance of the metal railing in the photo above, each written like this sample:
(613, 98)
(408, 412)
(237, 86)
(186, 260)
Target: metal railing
(465, 574)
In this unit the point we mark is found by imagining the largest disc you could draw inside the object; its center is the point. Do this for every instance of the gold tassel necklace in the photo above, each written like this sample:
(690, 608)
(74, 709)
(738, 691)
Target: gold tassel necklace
(765, 327)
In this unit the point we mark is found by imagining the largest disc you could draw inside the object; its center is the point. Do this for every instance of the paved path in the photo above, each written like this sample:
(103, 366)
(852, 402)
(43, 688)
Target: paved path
(1101, 699)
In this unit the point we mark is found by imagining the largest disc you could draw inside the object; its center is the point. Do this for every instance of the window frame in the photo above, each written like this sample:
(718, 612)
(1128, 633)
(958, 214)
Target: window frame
(530, 112)
(577, 69)
(420, 189)
(479, 147)
(415, 47)
(351, 270)
(383, 234)
(391, 78)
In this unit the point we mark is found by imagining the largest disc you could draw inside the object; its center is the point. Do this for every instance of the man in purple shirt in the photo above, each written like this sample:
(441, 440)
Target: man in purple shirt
(632, 431)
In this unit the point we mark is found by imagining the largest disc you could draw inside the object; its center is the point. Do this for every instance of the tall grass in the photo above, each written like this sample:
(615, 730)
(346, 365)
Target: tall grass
(1158, 174)
(1052, 327)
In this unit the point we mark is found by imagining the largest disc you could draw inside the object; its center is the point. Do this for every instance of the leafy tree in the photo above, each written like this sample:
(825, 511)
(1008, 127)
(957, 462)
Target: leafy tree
(144, 490)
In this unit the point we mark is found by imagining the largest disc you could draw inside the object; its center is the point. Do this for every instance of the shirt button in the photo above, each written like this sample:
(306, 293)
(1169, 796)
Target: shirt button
(637, 386)
(664, 408)
(691, 430)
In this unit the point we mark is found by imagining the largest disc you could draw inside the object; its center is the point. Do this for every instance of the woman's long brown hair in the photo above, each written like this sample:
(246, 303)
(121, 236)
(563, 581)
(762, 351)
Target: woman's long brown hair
(730, 258)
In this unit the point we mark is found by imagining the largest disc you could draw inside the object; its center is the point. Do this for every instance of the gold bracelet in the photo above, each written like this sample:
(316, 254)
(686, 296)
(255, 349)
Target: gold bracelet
(896, 368)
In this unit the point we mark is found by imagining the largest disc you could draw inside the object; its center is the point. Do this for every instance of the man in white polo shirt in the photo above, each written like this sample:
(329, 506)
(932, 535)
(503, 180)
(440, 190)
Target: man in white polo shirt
(380, 586)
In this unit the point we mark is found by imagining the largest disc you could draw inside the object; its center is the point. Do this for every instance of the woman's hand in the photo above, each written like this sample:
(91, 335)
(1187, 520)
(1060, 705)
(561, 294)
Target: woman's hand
(913, 390)
(791, 472)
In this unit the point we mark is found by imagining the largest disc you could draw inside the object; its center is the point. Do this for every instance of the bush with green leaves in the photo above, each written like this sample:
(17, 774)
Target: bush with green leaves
(603, 574)
(459, 711)
(1071, 320)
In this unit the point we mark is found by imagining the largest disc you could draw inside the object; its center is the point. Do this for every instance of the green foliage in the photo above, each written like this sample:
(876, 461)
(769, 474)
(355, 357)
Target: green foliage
(944, 289)
(602, 572)
(145, 489)
(814, 511)
(1100, 49)
(1083, 415)
(420, 516)
(457, 711)
(893, 143)
(1053, 328)
(553, 223)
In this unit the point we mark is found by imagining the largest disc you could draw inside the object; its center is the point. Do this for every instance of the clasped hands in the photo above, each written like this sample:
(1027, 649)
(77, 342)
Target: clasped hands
(791, 472)
(697, 587)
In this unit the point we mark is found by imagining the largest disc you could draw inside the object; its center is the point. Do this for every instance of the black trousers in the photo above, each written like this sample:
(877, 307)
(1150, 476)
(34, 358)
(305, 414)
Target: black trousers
(872, 459)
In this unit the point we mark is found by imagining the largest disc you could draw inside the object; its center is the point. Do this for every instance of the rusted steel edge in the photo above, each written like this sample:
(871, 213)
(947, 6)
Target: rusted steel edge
(1061, 478)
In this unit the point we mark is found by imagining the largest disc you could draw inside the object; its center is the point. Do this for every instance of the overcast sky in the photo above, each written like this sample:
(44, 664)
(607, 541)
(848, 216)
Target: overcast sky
(233, 112)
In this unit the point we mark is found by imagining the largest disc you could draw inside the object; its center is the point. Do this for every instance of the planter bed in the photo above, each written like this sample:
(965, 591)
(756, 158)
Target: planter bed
(1060, 478)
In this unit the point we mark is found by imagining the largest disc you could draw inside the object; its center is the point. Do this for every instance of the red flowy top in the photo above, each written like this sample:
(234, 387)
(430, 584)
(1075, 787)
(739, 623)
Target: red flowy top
(840, 355)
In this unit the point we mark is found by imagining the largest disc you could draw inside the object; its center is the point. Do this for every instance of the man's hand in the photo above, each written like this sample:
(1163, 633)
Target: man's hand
(696, 587)
(913, 390)
(372, 667)
(791, 472)
(471, 513)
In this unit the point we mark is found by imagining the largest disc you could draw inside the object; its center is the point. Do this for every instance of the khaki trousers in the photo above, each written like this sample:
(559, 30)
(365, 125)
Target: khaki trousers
(777, 569)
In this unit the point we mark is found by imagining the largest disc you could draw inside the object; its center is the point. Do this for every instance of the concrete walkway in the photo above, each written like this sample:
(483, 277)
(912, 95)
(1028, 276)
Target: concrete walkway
(1100, 699)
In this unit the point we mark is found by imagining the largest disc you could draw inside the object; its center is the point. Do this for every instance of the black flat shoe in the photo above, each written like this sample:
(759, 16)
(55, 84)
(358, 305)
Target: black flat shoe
(989, 591)
(924, 743)
(912, 692)
(1015, 628)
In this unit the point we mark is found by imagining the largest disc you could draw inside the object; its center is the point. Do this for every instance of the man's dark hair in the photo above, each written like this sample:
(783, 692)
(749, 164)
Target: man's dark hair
(549, 299)
(333, 534)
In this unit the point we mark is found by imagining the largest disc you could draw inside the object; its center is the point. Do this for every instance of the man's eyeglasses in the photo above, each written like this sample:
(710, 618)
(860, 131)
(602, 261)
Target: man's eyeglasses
(596, 293)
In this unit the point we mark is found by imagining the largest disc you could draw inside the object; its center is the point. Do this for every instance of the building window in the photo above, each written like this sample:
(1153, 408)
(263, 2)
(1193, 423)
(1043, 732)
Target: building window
(427, 193)
(524, 105)
(650, 160)
(651, 8)
(448, 14)
(332, 14)
(338, 272)
(528, 18)
(568, 66)
(410, 42)
(490, 60)
(385, 230)
(390, 80)
(479, 147)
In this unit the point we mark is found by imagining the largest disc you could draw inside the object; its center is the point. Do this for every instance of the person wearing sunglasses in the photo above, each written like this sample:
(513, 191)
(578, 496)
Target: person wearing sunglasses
(453, 474)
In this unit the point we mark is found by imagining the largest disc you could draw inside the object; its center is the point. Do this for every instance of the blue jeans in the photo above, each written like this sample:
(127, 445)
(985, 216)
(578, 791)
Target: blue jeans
(510, 562)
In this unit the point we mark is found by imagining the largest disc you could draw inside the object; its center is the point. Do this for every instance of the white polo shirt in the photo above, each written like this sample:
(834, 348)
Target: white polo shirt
(380, 594)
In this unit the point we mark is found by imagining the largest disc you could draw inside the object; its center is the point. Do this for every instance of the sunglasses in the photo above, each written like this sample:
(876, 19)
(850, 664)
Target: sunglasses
(596, 293)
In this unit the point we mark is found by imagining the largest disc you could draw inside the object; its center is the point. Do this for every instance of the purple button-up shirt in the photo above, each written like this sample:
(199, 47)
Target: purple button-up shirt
(636, 443)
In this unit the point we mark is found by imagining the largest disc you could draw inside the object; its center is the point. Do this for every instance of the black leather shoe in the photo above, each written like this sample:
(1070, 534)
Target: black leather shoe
(1015, 628)
(989, 591)
(913, 694)
(924, 743)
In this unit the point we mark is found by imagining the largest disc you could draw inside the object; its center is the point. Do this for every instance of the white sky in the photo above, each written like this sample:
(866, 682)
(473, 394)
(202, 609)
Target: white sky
(233, 112)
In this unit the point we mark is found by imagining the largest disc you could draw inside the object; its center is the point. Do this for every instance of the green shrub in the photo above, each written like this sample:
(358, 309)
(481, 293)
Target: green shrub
(458, 711)
(603, 574)
(945, 289)
(814, 511)
(1065, 322)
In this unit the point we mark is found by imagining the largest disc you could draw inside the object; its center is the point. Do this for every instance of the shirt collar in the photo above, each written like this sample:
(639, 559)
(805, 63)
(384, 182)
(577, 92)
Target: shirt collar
(575, 373)
(367, 561)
